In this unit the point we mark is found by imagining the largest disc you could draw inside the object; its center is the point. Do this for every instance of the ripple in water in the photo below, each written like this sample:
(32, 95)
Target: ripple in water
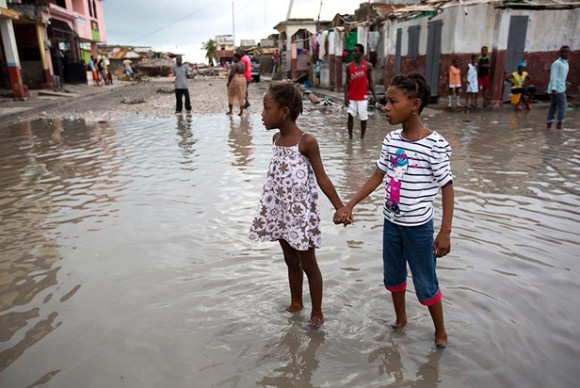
(124, 245)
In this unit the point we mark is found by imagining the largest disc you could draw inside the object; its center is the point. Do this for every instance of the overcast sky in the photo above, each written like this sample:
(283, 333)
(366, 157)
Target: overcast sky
(182, 25)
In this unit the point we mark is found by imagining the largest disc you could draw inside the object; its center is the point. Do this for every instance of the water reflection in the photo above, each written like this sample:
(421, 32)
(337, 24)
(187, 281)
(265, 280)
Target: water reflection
(296, 352)
(186, 141)
(50, 175)
(240, 140)
(391, 364)
(108, 229)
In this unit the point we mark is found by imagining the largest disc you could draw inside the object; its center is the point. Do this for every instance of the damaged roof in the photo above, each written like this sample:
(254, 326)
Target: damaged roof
(436, 6)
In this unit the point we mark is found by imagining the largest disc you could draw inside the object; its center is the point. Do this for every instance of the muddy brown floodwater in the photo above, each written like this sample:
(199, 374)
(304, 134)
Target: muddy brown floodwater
(125, 262)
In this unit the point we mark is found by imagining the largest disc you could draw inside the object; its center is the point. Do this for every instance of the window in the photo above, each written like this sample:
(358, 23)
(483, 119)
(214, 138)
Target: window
(413, 51)
(90, 8)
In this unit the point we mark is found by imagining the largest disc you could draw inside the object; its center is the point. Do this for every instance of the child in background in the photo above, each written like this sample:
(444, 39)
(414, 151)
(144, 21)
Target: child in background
(484, 74)
(288, 211)
(416, 161)
(454, 83)
(472, 88)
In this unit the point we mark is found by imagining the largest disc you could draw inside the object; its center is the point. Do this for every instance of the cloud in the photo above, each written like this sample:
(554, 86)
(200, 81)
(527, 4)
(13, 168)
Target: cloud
(184, 24)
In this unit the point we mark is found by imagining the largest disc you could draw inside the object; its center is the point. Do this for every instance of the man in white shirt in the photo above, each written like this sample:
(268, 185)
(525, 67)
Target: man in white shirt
(557, 88)
(180, 72)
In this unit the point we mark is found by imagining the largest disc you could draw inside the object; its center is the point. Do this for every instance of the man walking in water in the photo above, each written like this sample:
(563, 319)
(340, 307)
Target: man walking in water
(557, 88)
(180, 72)
(359, 78)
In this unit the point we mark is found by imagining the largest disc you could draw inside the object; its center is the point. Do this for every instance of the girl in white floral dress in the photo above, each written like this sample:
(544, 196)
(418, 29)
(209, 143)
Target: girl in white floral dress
(288, 211)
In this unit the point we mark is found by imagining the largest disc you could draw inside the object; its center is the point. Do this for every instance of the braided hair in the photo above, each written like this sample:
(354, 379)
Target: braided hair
(414, 85)
(287, 95)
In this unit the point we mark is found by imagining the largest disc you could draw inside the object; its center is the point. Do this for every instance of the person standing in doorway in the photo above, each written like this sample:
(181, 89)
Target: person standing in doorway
(557, 88)
(181, 90)
(359, 78)
(275, 59)
(247, 73)
(483, 73)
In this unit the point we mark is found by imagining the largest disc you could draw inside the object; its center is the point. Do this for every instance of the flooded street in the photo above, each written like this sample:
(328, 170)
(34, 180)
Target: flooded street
(125, 261)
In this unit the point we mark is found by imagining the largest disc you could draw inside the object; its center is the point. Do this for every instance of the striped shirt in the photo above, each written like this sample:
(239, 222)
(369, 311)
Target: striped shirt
(415, 171)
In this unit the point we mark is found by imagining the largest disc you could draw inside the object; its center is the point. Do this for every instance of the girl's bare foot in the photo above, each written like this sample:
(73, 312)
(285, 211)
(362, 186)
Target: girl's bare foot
(441, 339)
(399, 325)
(294, 307)
(229, 113)
(316, 320)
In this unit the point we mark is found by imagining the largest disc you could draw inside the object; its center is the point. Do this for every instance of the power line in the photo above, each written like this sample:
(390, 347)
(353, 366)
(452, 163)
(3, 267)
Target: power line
(244, 7)
(175, 22)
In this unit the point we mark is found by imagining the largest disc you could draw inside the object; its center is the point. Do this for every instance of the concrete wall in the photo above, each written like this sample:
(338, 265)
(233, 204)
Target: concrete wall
(464, 34)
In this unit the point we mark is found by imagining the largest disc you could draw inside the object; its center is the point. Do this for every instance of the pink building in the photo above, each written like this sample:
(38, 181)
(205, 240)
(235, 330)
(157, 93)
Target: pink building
(50, 37)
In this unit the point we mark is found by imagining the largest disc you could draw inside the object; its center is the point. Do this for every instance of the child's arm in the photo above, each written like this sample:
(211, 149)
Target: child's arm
(312, 152)
(345, 214)
(442, 245)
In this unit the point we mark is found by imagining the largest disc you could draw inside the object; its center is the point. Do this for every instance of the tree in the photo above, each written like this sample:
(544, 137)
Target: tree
(210, 48)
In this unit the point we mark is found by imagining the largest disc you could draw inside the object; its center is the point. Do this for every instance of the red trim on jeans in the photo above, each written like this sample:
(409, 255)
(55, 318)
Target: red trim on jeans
(434, 300)
(400, 288)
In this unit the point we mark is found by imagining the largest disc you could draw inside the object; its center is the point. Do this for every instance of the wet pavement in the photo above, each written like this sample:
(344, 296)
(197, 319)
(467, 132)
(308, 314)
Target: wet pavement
(124, 257)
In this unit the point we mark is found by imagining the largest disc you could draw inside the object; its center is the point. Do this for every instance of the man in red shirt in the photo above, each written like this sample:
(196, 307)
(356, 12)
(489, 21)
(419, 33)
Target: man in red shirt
(247, 73)
(359, 78)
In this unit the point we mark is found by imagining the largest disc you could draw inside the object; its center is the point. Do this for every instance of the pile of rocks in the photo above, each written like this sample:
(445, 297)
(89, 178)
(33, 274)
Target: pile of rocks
(155, 67)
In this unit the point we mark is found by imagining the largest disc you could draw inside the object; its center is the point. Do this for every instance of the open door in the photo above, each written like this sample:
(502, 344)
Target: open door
(398, 51)
(516, 45)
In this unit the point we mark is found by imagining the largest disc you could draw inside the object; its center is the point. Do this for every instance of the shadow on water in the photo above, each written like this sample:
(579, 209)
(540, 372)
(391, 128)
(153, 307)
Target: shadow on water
(124, 257)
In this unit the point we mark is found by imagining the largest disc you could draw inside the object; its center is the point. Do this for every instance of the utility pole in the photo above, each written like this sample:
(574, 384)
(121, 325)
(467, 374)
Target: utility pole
(289, 9)
(233, 25)
(318, 21)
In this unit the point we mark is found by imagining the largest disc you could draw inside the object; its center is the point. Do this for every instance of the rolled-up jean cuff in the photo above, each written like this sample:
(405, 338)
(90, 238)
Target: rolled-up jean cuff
(400, 288)
(434, 300)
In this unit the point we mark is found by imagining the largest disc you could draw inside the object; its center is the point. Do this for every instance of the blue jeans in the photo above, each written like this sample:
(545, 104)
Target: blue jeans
(413, 245)
(557, 103)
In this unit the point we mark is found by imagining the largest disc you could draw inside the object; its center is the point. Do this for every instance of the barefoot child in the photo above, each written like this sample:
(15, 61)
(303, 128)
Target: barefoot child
(288, 211)
(416, 162)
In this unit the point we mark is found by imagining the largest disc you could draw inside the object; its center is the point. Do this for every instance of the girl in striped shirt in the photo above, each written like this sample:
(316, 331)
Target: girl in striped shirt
(416, 162)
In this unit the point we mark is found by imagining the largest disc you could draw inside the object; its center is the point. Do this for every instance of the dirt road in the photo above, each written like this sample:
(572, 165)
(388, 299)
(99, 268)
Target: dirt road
(154, 98)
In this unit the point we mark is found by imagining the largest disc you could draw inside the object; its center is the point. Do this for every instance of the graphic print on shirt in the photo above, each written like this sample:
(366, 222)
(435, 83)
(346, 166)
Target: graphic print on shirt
(399, 166)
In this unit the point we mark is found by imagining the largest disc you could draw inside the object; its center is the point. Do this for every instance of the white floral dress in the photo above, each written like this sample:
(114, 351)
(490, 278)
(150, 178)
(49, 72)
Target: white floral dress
(288, 209)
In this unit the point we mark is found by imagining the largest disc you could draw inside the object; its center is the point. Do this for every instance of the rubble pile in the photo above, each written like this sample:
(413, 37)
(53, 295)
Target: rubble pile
(211, 72)
(155, 67)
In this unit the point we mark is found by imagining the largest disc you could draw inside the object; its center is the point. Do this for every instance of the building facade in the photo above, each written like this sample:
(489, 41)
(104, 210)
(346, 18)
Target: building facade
(54, 39)
(427, 40)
